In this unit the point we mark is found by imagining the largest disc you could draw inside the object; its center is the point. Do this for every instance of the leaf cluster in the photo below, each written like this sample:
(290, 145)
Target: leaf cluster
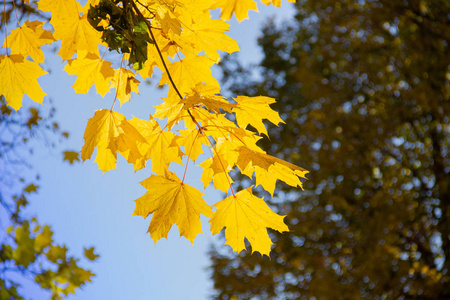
(183, 41)
(122, 29)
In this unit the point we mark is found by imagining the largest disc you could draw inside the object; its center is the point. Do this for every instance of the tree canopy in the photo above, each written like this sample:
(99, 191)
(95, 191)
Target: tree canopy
(364, 90)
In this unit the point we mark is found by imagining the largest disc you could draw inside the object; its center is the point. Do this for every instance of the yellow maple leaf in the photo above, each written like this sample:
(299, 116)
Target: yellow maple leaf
(216, 169)
(128, 144)
(268, 169)
(191, 9)
(125, 83)
(60, 9)
(110, 132)
(73, 30)
(189, 72)
(17, 77)
(153, 60)
(205, 95)
(75, 36)
(172, 109)
(100, 132)
(159, 146)
(221, 180)
(192, 141)
(90, 69)
(208, 35)
(240, 8)
(170, 23)
(251, 111)
(171, 202)
(28, 39)
(246, 216)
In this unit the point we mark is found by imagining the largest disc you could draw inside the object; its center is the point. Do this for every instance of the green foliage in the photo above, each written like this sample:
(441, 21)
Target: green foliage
(122, 30)
(364, 88)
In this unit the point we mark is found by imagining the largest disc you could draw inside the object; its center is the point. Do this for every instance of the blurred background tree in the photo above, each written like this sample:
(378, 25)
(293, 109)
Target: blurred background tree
(364, 89)
(28, 252)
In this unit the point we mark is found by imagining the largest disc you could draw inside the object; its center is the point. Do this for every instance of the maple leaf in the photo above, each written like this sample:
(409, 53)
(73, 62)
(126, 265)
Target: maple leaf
(18, 77)
(240, 8)
(71, 156)
(170, 23)
(61, 9)
(268, 169)
(125, 83)
(31, 188)
(206, 95)
(100, 132)
(89, 253)
(167, 46)
(73, 30)
(192, 141)
(246, 216)
(216, 169)
(208, 35)
(188, 72)
(213, 171)
(77, 36)
(127, 143)
(251, 110)
(110, 132)
(28, 39)
(90, 69)
(44, 238)
(171, 108)
(171, 202)
(158, 146)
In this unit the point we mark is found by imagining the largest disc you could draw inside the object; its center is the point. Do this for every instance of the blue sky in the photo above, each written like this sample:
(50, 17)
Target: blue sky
(88, 208)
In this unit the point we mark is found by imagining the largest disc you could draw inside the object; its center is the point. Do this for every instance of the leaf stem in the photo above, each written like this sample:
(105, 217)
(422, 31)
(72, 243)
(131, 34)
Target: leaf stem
(211, 120)
(223, 167)
(15, 12)
(117, 83)
(149, 26)
(189, 155)
(176, 119)
(229, 131)
(6, 30)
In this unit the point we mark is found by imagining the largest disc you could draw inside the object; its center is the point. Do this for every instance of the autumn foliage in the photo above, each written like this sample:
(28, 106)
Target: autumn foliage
(182, 40)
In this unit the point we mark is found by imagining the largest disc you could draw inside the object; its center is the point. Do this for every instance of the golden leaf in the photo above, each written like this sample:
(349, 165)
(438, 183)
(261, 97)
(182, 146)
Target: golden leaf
(240, 8)
(251, 110)
(246, 216)
(110, 132)
(28, 39)
(90, 69)
(158, 146)
(189, 72)
(18, 77)
(268, 169)
(125, 83)
(171, 202)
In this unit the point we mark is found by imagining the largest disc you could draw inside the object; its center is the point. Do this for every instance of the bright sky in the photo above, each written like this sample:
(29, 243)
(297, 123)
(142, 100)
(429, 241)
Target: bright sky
(88, 208)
